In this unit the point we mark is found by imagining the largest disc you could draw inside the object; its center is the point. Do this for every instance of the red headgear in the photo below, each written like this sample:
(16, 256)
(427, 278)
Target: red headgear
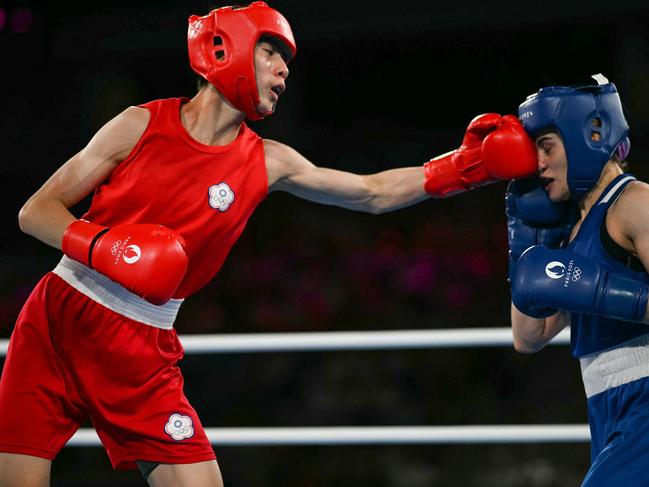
(222, 46)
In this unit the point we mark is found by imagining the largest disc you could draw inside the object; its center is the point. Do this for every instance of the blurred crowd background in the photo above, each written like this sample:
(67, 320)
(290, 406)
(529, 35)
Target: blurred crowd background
(374, 86)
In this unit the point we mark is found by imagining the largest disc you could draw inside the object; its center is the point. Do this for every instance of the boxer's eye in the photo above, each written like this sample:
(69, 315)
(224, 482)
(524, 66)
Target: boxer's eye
(546, 148)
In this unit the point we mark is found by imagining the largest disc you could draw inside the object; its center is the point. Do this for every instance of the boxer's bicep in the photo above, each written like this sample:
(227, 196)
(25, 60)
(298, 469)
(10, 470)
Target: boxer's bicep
(45, 215)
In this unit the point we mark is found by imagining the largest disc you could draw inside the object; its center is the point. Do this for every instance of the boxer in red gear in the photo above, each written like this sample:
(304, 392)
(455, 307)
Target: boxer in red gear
(95, 342)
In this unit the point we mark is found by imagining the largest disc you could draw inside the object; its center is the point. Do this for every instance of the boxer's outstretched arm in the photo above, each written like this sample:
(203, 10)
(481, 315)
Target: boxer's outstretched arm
(45, 215)
(493, 148)
(289, 171)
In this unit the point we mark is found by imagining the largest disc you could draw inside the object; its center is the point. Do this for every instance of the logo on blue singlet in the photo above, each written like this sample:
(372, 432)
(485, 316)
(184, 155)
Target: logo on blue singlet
(220, 196)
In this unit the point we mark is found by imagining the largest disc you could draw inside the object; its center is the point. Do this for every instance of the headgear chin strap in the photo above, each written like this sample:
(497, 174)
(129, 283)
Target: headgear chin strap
(222, 49)
(591, 124)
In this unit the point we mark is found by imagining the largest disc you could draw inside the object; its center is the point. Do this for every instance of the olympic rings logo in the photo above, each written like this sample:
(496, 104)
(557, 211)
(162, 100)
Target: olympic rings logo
(115, 248)
(576, 274)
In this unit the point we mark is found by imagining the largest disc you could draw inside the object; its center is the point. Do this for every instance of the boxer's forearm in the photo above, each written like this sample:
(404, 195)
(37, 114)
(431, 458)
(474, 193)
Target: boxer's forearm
(45, 219)
(532, 334)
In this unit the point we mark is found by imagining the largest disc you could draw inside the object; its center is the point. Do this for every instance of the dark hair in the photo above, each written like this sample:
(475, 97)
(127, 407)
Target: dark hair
(281, 47)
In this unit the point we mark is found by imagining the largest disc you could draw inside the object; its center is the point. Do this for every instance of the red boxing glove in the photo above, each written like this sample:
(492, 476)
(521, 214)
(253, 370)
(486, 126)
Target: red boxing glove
(493, 148)
(148, 260)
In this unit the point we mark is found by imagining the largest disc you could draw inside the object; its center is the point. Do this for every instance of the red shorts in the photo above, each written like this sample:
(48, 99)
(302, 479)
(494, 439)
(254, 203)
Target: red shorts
(70, 358)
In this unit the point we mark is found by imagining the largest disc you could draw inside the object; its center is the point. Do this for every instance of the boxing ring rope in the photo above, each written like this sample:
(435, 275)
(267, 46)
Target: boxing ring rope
(370, 340)
(382, 435)
(347, 340)
(353, 340)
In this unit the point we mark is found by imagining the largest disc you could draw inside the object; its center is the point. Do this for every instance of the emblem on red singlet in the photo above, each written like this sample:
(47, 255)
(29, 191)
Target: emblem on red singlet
(220, 196)
(179, 427)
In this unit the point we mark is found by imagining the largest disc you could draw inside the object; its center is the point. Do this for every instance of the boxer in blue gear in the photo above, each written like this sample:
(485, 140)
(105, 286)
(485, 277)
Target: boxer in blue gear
(598, 283)
(533, 219)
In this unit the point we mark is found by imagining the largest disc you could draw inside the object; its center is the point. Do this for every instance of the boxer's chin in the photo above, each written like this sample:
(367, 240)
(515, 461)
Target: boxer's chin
(265, 109)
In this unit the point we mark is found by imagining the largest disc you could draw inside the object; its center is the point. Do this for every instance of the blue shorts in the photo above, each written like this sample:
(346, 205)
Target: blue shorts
(619, 425)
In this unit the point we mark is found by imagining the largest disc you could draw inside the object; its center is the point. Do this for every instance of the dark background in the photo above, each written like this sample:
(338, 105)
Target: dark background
(374, 86)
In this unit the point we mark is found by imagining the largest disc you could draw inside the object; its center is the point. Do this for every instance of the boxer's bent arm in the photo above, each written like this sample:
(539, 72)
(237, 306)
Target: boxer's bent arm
(532, 334)
(376, 193)
(631, 214)
(45, 215)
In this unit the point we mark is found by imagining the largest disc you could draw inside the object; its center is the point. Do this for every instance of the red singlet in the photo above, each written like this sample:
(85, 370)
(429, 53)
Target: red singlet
(205, 193)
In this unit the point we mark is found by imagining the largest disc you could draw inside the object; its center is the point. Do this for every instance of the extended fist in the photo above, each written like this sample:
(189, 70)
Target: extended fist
(148, 260)
(494, 148)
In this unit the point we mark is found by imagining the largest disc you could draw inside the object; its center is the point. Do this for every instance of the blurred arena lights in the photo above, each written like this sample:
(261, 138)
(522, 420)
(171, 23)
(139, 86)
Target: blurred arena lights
(21, 20)
(3, 18)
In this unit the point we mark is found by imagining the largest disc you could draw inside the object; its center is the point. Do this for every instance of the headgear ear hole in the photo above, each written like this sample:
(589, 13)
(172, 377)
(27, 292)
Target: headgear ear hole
(220, 55)
(595, 136)
(597, 122)
(218, 41)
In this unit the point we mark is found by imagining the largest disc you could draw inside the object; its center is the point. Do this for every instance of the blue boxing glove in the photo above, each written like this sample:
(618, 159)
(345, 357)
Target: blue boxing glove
(562, 279)
(533, 219)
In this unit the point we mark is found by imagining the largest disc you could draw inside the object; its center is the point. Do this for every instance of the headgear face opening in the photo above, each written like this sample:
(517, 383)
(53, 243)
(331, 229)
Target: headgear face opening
(222, 48)
(589, 120)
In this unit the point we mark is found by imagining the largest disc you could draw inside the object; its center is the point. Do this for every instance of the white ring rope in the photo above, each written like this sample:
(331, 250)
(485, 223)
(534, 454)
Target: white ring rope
(348, 340)
(385, 435)
(370, 340)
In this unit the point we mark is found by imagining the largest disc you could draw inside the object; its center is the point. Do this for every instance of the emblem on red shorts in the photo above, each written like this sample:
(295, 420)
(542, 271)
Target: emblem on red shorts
(179, 427)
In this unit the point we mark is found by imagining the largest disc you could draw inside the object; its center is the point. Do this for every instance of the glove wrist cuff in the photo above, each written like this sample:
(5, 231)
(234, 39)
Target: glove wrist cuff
(442, 178)
(624, 298)
(79, 239)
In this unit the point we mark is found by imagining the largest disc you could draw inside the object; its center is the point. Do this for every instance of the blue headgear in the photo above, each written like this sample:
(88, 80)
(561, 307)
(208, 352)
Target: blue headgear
(591, 124)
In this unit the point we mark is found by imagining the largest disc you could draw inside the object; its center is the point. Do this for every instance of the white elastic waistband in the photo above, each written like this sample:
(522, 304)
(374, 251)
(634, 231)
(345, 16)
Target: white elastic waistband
(113, 296)
(616, 367)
